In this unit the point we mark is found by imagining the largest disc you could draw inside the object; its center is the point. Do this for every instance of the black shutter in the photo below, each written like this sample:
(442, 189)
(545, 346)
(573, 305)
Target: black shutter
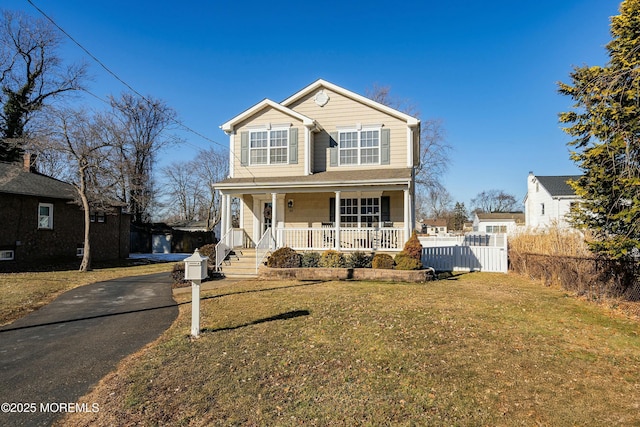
(385, 208)
(332, 209)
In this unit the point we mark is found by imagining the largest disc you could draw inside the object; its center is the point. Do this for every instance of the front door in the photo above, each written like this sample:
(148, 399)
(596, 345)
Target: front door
(267, 214)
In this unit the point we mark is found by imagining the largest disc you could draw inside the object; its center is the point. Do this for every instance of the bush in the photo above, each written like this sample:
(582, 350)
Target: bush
(332, 259)
(382, 261)
(413, 247)
(284, 258)
(405, 262)
(358, 259)
(208, 251)
(177, 274)
(311, 259)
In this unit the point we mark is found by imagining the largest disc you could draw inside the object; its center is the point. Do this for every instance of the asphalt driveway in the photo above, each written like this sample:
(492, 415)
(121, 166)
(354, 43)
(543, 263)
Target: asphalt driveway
(52, 357)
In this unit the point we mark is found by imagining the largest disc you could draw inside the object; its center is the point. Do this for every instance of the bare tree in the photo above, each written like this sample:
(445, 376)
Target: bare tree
(437, 202)
(494, 201)
(138, 129)
(189, 187)
(31, 73)
(73, 134)
(434, 150)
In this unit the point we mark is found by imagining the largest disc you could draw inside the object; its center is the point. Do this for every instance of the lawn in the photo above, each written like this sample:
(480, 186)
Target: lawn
(24, 292)
(481, 349)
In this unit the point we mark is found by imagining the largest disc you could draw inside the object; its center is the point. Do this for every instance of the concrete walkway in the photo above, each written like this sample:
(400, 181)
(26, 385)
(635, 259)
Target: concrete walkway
(55, 355)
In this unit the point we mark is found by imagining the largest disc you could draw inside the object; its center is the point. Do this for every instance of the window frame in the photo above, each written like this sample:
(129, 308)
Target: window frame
(359, 148)
(270, 149)
(11, 257)
(49, 225)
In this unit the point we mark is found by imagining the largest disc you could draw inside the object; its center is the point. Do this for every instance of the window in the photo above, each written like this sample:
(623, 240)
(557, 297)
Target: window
(496, 228)
(541, 208)
(98, 217)
(269, 147)
(359, 147)
(6, 255)
(364, 212)
(45, 216)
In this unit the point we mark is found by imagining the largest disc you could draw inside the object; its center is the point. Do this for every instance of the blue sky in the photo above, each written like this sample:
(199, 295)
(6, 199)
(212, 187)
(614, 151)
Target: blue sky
(488, 70)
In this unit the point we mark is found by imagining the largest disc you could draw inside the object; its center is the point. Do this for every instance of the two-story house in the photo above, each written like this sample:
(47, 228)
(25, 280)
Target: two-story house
(324, 169)
(549, 200)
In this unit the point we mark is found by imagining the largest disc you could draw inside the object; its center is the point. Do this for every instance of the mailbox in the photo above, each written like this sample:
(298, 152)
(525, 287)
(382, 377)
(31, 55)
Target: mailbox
(195, 267)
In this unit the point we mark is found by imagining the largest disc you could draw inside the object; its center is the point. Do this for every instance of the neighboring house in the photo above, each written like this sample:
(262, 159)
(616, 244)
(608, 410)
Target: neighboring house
(549, 200)
(498, 222)
(324, 169)
(40, 223)
(434, 226)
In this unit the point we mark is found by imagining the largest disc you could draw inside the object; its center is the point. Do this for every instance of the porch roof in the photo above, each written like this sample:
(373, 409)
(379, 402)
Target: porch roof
(321, 181)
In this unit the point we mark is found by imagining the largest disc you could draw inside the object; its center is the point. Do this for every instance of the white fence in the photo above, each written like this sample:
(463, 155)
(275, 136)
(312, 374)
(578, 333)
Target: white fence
(463, 255)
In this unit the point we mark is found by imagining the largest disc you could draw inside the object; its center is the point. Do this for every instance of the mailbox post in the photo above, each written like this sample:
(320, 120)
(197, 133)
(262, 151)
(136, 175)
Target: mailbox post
(195, 269)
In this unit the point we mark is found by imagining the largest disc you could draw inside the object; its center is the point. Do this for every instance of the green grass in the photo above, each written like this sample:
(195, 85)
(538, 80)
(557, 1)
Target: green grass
(482, 349)
(23, 293)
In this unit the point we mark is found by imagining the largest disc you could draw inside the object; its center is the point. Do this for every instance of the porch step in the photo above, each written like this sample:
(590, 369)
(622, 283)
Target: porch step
(243, 267)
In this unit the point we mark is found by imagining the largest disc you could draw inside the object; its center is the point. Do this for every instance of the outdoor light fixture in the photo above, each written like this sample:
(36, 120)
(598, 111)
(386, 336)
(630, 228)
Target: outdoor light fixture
(290, 203)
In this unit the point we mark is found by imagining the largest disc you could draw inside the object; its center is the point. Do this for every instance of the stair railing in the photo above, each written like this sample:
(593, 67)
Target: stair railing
(264, 245)
(222, 250)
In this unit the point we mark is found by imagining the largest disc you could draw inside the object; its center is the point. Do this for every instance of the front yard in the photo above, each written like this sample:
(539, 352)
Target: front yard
(480, 349)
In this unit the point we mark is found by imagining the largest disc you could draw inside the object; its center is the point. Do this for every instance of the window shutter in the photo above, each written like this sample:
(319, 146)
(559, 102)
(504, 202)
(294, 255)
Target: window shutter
(333, 149)
(332, 209)
(385, 149)
(244, 148)
(385, 208)
(293, 146)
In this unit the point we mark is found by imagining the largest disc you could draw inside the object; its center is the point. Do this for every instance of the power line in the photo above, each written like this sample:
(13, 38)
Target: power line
(128, 86)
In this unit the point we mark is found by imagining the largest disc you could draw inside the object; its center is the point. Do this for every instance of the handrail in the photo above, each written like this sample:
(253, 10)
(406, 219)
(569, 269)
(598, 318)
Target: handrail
(222, 248)
(262, 248)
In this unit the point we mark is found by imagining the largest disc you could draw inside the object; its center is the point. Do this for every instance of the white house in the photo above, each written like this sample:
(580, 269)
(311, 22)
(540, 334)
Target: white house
(549, 200)
(498, 222)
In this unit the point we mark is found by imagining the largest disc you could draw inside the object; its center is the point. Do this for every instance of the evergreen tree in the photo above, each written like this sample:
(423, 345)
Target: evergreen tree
(605, 125)
(459, 216)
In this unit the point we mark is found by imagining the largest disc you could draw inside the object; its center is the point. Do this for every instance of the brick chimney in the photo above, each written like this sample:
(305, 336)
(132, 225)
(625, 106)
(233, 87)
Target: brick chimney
(29, 164)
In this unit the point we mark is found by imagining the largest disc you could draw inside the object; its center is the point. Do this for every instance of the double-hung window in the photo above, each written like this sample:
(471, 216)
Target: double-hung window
(269, 147)
(361, 212)
(359, 147)
(45, 216)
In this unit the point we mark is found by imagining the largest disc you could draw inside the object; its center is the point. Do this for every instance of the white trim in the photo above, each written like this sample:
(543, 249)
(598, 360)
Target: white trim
(50, 216)
(230, 125)
(307, 151)
(268, 130)
(7, 255)
(409, 147)
(347, 93)
(358, 147)
(232, 154)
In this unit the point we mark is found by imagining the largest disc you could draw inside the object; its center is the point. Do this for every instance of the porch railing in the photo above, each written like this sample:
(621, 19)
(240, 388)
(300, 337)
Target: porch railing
(323, 238)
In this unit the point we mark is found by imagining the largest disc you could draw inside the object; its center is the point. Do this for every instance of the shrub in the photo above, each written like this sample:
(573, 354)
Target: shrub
(413, 247)
(177, 274)
(405, 262)
(358, 259)
(332, 259)
(382, 261)
(208, 251)
(284, 258)
(311, 259)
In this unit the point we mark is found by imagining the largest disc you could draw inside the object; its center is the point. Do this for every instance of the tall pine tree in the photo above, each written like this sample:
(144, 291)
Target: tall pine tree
(605, 125)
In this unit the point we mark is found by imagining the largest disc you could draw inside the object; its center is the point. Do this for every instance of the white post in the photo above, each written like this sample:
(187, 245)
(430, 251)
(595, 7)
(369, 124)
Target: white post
(228, 220)
(195, 308)
(407, 216)
(337, 224)
(223, 215)
(274, 218)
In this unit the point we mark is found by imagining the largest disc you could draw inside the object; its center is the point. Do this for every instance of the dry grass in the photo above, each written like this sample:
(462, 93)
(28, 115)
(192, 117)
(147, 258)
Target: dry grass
(554, 241)
(24, 292)
(480, 349)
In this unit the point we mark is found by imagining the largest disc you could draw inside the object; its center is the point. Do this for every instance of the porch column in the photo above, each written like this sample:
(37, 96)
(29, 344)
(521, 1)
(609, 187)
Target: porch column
(407, 215)
(223, 215)
(337, 216)
(274, 218)
(228, 220)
